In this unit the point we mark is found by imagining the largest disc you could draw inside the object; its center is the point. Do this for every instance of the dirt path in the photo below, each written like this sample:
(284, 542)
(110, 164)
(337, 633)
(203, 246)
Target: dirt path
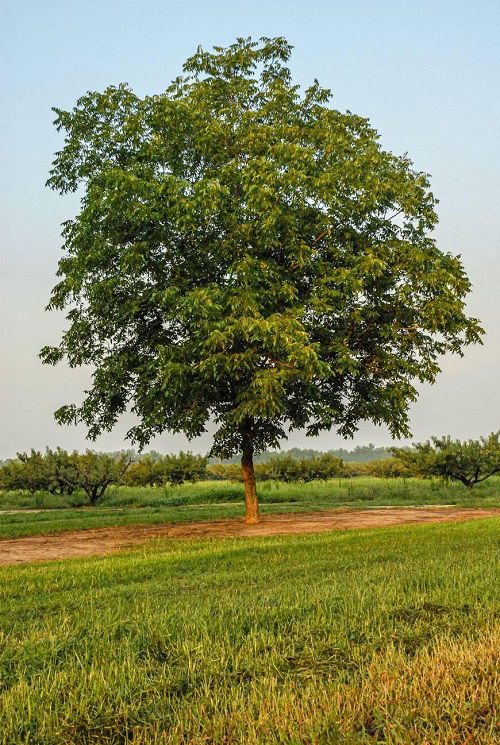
(107, 540)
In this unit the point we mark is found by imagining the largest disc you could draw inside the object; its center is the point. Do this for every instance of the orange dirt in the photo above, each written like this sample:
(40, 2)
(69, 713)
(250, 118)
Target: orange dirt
(107, 540)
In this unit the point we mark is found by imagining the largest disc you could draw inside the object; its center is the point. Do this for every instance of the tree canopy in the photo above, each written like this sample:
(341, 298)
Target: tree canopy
(60, 472)
(469, 462)
(154, 469)
(248, 255)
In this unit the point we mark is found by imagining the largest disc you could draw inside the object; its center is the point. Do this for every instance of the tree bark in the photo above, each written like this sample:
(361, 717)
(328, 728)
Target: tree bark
(251, 501)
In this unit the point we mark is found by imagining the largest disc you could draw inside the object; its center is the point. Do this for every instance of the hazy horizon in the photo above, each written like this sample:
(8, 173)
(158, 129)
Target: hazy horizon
(424, 73)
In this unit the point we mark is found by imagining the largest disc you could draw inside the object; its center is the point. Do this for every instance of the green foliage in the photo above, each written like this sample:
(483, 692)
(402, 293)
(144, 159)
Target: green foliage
(362, 453)
(19, 475)
(156, 469)
(146, 471)
(389, 468)
(96, 471)
(245, 253)
(61, 473)
(284, 468)
(184, 467)
(469, 462)
(322, 467)
(55, 471)
(228, 471)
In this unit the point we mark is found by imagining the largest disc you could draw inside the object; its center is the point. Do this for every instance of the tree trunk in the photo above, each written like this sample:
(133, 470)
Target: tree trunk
(93, 495)
(251, 501)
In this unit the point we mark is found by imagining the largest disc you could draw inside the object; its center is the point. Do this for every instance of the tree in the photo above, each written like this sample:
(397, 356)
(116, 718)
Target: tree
(283, 468)
(62, 471)
(96, 471)
(286, 468)
(15, 476)
(249, 256)
(155, 469)
(389, 468)
(469, 462)
(27, 473)
(146, 471)
(53, 471)
(176, 469)
(225, 472)
(322, 467)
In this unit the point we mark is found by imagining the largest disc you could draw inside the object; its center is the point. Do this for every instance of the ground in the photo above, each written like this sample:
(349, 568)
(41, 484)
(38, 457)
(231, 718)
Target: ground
(107, 540)
(345, 637)
(356, 623)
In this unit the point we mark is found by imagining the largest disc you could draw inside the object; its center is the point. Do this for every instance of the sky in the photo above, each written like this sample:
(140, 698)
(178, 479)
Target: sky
(425, 72)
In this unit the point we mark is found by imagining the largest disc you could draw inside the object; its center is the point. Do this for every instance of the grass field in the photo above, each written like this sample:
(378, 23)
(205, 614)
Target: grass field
(212, 499)
(388, 636)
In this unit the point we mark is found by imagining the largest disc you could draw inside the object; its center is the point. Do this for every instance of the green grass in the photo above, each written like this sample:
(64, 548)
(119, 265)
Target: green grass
(358, 637)
(212, 499)
(24, 524)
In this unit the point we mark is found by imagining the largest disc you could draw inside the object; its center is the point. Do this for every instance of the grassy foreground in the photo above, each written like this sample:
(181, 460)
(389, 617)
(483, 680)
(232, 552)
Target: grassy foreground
(215, 499)
(388, 636)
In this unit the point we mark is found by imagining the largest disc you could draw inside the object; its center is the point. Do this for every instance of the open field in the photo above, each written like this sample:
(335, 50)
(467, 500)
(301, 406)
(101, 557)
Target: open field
(217, 499)
(357, 637)
(101, 541)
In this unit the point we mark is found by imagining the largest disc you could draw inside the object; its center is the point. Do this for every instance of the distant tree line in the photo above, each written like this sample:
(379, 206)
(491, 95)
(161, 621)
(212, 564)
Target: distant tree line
(284, 468)
(154, 469)
(60, 472)
(63, 473)
(360, 454)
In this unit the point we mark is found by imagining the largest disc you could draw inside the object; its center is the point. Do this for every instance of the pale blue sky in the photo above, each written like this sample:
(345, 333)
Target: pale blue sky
(426, 73)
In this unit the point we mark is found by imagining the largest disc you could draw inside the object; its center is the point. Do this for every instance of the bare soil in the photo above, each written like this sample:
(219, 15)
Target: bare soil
(107, 540)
